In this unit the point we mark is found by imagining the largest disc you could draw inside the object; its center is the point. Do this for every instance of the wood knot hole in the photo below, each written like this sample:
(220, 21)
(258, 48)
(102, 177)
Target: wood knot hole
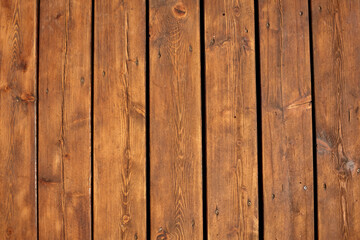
(179, 10)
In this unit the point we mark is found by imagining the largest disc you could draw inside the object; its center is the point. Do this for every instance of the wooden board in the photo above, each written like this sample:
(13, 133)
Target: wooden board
(64, 165)
(286, 119)
(119, 120)
(336, 36)
(232, 173)
(18, 24)
(175, 120)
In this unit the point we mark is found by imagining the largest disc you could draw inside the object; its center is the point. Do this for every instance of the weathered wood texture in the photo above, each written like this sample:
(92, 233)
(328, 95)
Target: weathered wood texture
(119, 120)
(336, 37)
(286, 119)
(175, 120)
(232, 174)
(64, 162)
(92, 111)
(17, 119)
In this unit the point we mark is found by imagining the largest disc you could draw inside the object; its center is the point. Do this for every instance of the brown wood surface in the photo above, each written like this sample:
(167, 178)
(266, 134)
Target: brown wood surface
(232, 174)
(64, 162)
(175, 120)
(90, 117)
(336, 37)
(17, 119)
(119, 115)
(286, 119)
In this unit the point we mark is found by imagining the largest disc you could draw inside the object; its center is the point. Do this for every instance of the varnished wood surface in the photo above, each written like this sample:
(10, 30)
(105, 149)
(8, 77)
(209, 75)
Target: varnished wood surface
(179, 119)
(64, 156)
(175, 120)
(286, 120)
(336, 33)
(119, 120)
(231, 121)
(17, 119)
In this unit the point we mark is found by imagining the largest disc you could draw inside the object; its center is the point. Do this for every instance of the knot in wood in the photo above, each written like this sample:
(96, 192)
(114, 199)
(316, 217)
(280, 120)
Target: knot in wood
(179, 10)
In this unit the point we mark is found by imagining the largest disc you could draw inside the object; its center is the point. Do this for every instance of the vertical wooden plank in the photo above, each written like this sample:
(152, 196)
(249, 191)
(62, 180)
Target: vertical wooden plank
(64, 120)
(336, 36)
(119, 115)
(18, 21)
(175, 120)
(232, 176)
(286, 119)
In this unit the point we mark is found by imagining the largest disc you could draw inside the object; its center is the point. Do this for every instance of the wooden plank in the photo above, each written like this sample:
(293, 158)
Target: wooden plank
(64, 120)
(232, 173)
(336, 35)
(286, 119)
(175, 120)
(18, 24)
(119, 115)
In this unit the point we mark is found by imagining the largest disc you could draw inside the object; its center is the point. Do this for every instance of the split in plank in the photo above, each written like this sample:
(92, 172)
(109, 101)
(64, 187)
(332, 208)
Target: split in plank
(119, 120)
(64, 176)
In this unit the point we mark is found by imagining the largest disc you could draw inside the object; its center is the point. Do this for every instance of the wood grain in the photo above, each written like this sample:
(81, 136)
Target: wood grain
(18, 24)
(336, 36)
(286, 119)
(175, 120)
(232, 173)
(119, 120)
(64, 165)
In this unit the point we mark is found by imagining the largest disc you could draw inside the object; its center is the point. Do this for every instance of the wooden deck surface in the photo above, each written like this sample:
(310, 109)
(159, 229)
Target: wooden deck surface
(180, 119)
